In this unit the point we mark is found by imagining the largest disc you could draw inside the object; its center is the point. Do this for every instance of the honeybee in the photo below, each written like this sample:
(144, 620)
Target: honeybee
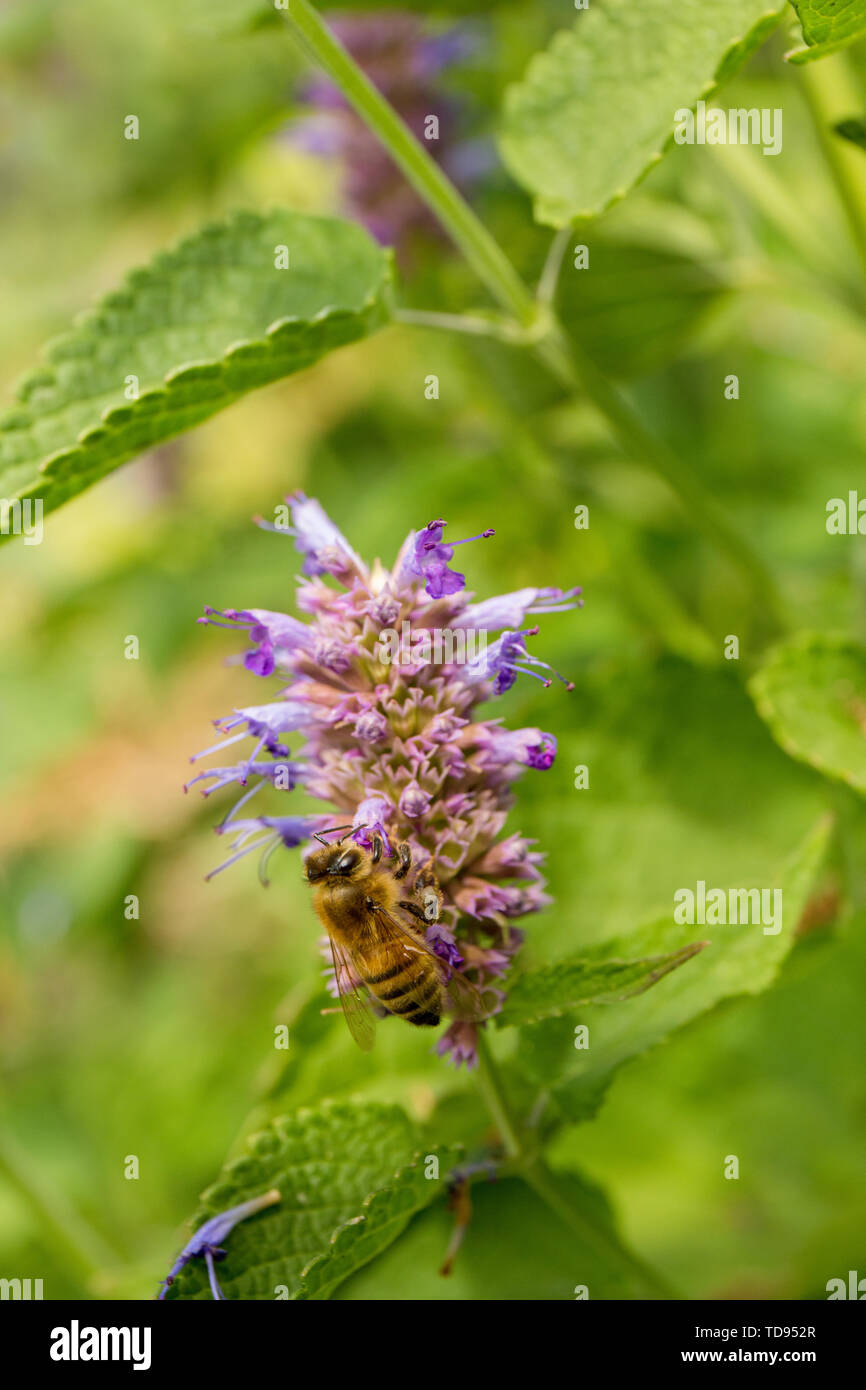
(376, 930)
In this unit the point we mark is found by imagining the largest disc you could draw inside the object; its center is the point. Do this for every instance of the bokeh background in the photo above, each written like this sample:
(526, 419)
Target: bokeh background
(154, 1036)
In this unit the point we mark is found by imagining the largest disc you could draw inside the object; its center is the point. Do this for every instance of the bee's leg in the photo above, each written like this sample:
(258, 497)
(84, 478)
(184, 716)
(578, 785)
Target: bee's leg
(415, 911)
(426, 878)
(404, 854)
(428, 893)
(377, 848)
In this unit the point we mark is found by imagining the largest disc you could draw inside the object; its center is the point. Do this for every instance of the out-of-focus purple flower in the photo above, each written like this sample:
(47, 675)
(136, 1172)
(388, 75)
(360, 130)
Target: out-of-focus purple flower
(459, 1043)
(405, 61)
(208, 1239)
(400, 751)
(491, 962)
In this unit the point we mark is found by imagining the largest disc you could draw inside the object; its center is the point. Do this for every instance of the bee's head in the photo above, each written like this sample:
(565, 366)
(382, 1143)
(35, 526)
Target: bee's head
(333, 861)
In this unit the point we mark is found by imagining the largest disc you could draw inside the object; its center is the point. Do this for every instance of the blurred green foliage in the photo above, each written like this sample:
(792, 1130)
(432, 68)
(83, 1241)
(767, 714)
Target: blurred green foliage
(148, 1036)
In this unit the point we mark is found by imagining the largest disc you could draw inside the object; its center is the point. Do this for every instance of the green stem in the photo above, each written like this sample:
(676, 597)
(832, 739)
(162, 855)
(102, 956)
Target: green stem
(477, 326)
(825, 85)
(495, 1100)
(529, 1166)
(764, 189)
(569, 364)
(549, 278)
(466, 230)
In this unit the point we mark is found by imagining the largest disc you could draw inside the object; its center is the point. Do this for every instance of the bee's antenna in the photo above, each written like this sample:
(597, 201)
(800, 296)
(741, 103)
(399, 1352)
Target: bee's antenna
(350, 828)
(330, 830)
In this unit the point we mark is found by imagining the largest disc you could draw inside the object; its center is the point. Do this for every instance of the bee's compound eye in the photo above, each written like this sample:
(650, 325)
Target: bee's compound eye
(346, 862)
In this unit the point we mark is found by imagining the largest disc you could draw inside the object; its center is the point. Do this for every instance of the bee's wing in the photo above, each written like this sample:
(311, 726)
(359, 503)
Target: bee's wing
(403, 941)
(354, 1001)
(464, 993)
(467, 996)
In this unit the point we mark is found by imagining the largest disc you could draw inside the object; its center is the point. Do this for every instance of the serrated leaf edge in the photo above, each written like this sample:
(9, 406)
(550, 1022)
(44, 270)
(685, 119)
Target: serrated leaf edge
(372, 313)
(667, 963)
(545, 207)
(367, 1208)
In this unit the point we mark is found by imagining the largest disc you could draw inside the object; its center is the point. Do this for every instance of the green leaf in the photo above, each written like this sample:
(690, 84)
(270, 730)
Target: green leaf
(198, 327)
(811, 692)
(827, 26)
(738, 960)
(516, 1249)
(325, 1163)
(596, 110)
(597, 977)
(384, 1217)
(636, 307)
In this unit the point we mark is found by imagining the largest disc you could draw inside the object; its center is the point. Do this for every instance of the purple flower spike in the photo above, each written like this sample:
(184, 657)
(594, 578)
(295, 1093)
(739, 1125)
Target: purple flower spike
(403, 60)
(208, 1239)
(397, 750)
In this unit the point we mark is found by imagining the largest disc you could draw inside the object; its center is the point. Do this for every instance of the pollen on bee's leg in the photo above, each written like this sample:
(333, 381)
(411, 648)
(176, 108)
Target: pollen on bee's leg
(404, 854)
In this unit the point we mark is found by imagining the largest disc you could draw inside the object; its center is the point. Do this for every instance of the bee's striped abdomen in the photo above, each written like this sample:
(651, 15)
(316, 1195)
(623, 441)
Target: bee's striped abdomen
(413, 991)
